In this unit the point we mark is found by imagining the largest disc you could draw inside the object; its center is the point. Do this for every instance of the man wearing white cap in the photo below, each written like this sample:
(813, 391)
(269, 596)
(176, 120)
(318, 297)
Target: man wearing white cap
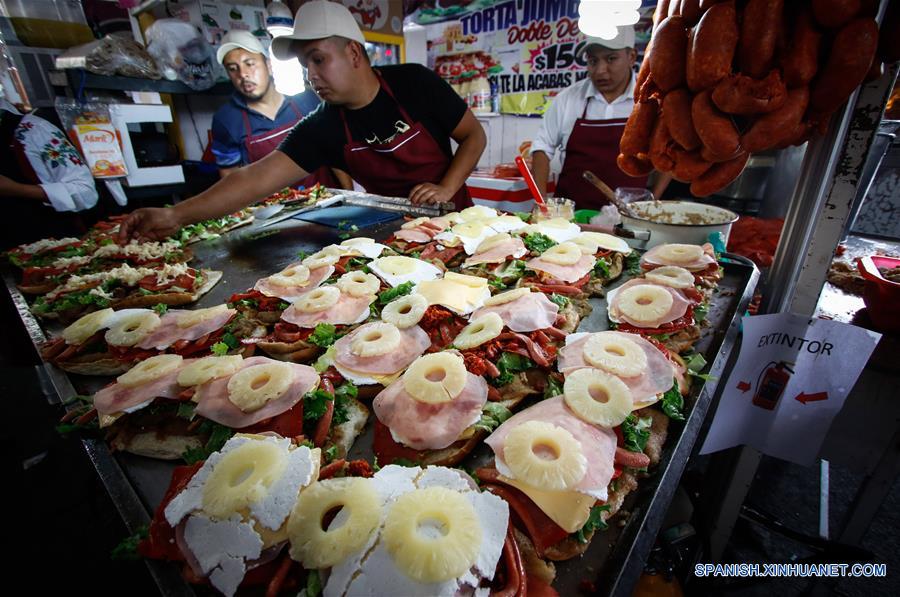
(585, 123)
(257, 117)
(389, 128)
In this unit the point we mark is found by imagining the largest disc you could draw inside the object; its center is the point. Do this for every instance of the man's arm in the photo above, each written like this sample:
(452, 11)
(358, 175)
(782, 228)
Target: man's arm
(223, 172)
(343, 178)
(10, 189)
(544, 145)
(244, 187)
(540, 167)
(470, 136)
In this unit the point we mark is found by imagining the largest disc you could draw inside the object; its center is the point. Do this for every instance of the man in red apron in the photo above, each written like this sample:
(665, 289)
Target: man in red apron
(257, 117)
(389, 128)
(585, 123)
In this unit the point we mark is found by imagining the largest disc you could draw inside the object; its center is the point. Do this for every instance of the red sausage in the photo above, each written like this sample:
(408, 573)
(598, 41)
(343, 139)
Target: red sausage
(661, 12)
(691, 12)
(738, 94)
(636, 137)
(669, 53)
(835, 13)
(660, 147)
(715, 158)
(716, 130)
(676, 111)
(848, 63)
(633, 166)
(798, 136)
(713, 46)
(759, 32)
(719, 176)
(769, 130)
(674, 8)
(689, 165)
(707, 4)
(800, 63)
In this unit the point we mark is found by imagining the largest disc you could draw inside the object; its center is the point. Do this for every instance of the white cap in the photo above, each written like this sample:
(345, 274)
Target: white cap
(318, 19)
(624, 39)
(239, 38)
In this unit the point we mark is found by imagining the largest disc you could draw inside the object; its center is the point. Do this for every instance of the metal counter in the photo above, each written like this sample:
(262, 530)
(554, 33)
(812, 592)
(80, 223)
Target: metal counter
(616, 557)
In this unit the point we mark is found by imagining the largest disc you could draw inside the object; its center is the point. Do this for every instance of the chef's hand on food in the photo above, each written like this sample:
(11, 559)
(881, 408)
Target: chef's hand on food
(149, 223)
(427, 192)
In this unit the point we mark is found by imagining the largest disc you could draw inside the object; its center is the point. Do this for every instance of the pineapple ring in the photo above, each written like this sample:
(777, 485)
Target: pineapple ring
(476, 212)
(252, 387)
(150, 370)
(615, 354)
(320, 299)
(433, 534)
(507, 297)
(187, 319)
(319, 548)
(587, 245)
(375, 339)
(396, 265)
(208, 369)
(645, 303)
(406, 311)
(681, 253)
(86, 326)
(612, 403)
(291, 277)
(323, 258)
(560, 223)
(672, 276)
(436, 378)
(468, 229)
(358, 284)
(243, 477)
(414, 223)
(357, 241)
(492, 241)
(545, 456)
(131, 329)
(486, 327)
(567, 253)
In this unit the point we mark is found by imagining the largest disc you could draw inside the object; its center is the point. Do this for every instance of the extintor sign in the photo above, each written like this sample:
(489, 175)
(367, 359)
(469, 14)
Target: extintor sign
(791, 379)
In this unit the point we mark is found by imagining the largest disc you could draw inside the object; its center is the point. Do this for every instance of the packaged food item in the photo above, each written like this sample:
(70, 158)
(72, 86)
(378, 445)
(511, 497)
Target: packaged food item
(91, 130)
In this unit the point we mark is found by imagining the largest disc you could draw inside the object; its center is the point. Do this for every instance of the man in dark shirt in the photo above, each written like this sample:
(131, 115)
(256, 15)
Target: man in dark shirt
(389, 128)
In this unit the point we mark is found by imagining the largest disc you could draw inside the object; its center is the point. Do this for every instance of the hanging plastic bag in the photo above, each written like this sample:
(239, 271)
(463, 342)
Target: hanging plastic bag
(90, 129)
(182, 53)
(111, 55)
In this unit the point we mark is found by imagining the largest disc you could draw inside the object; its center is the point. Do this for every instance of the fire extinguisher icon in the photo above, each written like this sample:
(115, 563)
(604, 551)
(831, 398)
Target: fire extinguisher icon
(771, 383)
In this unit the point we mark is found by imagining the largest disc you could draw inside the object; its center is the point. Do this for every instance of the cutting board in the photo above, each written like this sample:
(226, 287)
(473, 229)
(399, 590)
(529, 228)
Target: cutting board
(344, 216)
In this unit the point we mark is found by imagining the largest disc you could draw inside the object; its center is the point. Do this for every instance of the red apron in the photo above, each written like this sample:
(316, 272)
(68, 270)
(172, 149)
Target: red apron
(593, 145)
(259, 146)
(392, 169)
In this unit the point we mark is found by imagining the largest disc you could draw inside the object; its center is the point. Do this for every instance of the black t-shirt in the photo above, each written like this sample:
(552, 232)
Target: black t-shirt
(319, 139)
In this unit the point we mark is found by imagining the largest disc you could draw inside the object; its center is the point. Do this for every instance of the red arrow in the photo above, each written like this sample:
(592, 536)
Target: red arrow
(804, 398)
(743, 386)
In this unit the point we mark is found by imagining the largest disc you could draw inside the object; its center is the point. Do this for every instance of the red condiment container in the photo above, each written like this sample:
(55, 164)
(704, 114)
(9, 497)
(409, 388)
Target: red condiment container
(882, 297)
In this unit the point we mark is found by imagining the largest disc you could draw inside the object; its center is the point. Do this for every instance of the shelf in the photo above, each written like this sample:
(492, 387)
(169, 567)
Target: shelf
(77, 77)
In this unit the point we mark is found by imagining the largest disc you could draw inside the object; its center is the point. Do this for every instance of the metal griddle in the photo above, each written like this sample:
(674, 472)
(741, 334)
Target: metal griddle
(615, 558)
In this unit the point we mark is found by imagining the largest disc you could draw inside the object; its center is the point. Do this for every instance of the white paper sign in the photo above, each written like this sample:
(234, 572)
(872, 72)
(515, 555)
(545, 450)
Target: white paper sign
(791, 378)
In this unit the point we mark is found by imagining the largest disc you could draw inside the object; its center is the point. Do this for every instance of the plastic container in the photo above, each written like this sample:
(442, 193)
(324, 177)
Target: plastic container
(882, 297)
(48, 23)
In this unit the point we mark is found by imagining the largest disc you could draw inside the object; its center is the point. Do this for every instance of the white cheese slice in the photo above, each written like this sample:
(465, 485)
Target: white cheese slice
(599, 493)
(459, 298)
(367, 247)
(568, 509)
(557, 229)
(222, 549)
(421, 271)
(276, 506)
(506, 224)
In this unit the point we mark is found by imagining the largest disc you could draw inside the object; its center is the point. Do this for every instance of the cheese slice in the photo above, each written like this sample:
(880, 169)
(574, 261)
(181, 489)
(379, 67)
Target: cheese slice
(569, 509)
(459, 297)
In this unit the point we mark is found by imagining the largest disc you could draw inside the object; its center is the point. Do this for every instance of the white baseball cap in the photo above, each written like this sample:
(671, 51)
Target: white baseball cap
(239, 38)
(317, 20)
(624, 39)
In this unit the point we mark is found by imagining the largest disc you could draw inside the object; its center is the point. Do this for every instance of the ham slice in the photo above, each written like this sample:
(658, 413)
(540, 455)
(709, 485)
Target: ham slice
(564, 273)
(598, 444)
(656, 378)
(316, 277)
(514, 248)
(168, 332)
(679, 306)
(215, 405)
(652, 259)
(116, 398)
(430, 426)
(413, 344)
(347, 310)
(528, 313)
(413, 235)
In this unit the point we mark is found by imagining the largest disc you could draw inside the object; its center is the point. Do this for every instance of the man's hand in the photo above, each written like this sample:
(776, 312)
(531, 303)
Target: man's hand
(427, 192)
(149, 223)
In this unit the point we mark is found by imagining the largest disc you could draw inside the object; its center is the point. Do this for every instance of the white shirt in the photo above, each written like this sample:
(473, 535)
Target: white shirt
(567, 107)
(64, 176)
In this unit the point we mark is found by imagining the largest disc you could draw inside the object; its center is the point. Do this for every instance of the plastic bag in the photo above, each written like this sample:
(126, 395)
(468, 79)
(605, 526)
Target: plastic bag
(182, 53)
(90, 129)
(111, 55)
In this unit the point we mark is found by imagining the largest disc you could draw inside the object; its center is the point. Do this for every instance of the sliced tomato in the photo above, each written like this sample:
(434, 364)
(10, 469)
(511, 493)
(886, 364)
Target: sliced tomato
(387, 450)
(685, 321)
(287, 424)
(160, 542)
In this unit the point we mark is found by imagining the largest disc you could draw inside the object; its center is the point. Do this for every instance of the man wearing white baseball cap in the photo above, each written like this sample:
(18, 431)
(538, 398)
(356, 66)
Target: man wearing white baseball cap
(257, 117)
(389, 128)
(585, 122)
